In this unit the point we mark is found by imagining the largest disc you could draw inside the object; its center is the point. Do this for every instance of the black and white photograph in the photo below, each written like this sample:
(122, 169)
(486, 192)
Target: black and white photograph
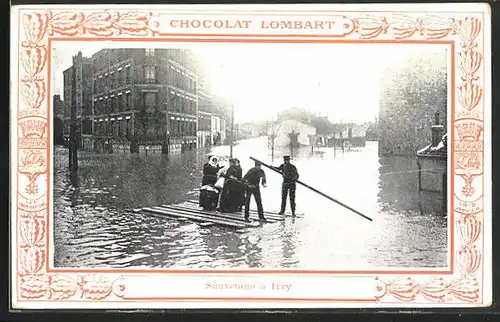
(250, 156)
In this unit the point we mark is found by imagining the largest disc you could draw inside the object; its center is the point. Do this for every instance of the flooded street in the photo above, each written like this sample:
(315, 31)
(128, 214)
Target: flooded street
(95, 227)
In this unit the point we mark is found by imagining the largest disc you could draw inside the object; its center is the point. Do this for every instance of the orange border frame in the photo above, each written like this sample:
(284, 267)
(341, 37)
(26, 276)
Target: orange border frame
(263, 39)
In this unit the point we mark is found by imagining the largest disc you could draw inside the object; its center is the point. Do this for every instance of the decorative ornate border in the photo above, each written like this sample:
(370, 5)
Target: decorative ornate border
(32, 215)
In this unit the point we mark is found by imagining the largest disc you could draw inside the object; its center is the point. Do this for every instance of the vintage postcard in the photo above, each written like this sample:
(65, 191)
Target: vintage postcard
(251, 156)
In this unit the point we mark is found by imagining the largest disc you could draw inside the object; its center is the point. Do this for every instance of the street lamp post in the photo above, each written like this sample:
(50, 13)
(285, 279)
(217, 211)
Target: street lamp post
(73, 136)
(232, 133)
(166, 144)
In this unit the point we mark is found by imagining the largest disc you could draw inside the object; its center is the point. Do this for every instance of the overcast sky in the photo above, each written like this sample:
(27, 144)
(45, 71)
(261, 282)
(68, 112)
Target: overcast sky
(341, 81)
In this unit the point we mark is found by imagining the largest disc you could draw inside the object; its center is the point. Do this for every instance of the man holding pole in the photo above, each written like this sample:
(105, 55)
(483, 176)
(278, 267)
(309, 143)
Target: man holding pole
(313, 189)
(290, 176)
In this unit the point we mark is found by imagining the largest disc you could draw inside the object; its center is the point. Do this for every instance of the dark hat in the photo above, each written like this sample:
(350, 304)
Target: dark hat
(286, 157)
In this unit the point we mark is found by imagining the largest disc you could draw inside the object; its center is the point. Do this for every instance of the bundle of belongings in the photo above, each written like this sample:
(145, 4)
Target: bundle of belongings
(212, 183)
(209, 197)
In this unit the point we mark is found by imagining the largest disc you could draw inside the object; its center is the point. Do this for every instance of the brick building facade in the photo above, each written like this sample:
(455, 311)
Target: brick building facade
(139, 98)
(204, 115)
(145, 98)
(82, 72)
(59, 108)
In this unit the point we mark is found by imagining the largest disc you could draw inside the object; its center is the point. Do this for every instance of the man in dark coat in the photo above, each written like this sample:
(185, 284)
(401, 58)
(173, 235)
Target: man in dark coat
(290, 175)
(252, 180)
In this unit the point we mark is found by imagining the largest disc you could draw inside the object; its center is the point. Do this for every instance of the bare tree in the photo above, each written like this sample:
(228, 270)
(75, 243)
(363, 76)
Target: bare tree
(273, 129)
(293, 135)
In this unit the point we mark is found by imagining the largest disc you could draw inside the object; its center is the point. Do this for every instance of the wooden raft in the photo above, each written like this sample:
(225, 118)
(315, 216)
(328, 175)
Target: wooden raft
(191, 211)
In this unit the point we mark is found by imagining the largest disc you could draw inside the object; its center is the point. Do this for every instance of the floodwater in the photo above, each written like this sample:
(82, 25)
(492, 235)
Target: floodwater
(95, 227)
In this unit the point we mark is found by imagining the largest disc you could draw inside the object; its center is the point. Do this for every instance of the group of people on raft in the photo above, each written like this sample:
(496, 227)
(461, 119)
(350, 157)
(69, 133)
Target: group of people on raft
(224, 188)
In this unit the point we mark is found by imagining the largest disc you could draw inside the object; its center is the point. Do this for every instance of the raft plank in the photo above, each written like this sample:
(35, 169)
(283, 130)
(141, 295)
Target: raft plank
(208, 215)
(172, 213)
(253, 215)
(139, 211)
(228, 215)
(193, 201)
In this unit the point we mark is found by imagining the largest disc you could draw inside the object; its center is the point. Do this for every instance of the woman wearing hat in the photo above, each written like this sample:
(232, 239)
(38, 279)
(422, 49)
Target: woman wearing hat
(209, 195)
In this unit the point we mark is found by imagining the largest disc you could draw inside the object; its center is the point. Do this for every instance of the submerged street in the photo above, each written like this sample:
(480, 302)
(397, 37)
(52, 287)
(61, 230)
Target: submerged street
(94, 225)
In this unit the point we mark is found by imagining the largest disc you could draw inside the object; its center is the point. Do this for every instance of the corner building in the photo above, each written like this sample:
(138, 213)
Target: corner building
(81, 96)
(144, 99)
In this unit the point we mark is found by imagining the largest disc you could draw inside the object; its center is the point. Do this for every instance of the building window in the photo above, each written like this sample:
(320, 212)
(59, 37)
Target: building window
(149, 73)
(120, 128)
(112, 80)
(150, 128)
(123, 102)
(157, 127)
(150, 52)
(172, 127)
(127, 74)
(175, 103)
(150, 102)
(115, 105)
(130, 102)
(128, 130)
(121, 76)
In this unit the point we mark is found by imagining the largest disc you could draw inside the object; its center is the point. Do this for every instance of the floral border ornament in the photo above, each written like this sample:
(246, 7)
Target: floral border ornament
(34, 283)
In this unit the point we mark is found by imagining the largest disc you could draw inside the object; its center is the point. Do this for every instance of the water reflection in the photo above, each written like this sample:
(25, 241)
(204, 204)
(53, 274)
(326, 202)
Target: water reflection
(95, 227)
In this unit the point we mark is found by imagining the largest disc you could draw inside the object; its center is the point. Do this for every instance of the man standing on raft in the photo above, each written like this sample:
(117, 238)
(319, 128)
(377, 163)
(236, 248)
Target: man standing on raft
(252, 180)
(290, 175)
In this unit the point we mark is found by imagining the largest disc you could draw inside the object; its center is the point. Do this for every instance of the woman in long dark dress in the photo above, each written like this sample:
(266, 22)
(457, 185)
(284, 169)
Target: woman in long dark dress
(208, 194)
(240, 190)
(229, 201)
(210, 172)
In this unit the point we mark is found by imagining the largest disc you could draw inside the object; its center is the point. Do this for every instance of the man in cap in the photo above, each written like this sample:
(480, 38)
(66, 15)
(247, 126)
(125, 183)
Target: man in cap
(252, 181)
(290, 175)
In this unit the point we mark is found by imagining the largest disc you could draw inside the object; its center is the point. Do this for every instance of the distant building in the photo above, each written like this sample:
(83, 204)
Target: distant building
(58, 106)
(250, 130)
(288, 127)
(204, 132)
(218, 133)
(353, 134)
(204, 113)
(221, 116)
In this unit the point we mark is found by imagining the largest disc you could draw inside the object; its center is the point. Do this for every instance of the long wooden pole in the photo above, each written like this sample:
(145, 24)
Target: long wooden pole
(317, 191)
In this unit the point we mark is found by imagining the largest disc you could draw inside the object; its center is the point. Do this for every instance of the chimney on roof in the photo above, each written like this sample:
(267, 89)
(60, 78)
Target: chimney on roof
(437, 131)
